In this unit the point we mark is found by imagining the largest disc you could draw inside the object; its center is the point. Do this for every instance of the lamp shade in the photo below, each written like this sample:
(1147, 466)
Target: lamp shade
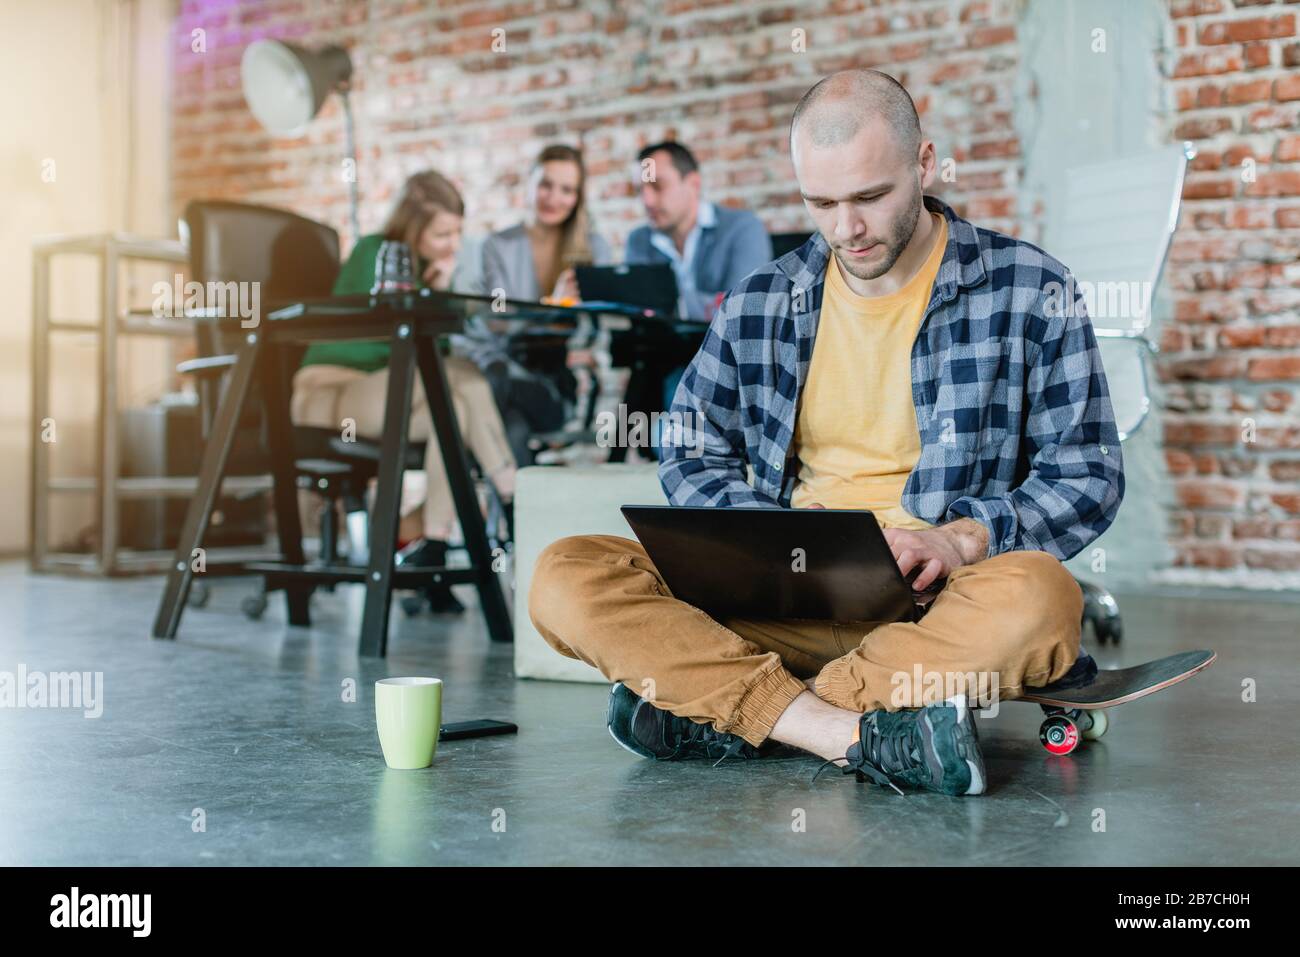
(285, 84)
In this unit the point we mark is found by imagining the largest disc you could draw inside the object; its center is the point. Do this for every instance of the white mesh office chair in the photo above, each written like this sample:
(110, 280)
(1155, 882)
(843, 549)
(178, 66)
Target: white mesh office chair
(1116, 223)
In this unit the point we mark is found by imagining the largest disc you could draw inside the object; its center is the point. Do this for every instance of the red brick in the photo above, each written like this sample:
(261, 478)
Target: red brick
(1251, 217)
(1194, 8)
(1282, 337)
(1273, 367)
(1180, 524)
(1284, 470)
(1287, 88)
(1204, 369)
(1252, 528)
(1202, 433)
(1287, 531)
(1271, 118)
(1258, 56)
(1272, 438)
(1236, 154)
(1241, 338)
(1207, 63)
(993, 149)
(1288, 218)
(1202, 128)
(1275, 183)
(1213, 527)
(1172, 339)
(1273, 559)
(1209, 493)
(1205, 160)
(1210, 556)
(1209, 188)
(1255, 28)
(1288, 149)
(990, 36)
(1179, 462)
(1251, 92)
(1237, 466)
(1276, 400)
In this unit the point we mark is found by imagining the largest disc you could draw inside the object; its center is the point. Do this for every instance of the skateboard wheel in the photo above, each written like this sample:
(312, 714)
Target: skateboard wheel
(1098, 726)
(1059, 735)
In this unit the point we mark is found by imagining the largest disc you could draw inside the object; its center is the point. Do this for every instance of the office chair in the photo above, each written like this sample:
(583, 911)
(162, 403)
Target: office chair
(1114, 231)
(292, 258)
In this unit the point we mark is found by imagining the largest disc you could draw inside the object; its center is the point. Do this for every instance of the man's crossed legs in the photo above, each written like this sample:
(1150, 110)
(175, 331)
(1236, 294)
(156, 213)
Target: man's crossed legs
(885, 698)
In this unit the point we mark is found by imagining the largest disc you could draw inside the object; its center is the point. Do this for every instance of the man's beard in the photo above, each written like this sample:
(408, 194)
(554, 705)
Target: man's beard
(900, 234)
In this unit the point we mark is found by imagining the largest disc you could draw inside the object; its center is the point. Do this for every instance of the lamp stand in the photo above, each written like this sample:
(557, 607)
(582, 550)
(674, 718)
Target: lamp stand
(352, 154)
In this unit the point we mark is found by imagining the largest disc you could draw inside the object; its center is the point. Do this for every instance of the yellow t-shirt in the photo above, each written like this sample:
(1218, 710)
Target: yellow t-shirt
(856, 434)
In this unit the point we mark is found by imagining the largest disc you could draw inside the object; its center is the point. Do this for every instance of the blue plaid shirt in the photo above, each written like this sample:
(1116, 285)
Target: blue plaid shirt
(1012, 407)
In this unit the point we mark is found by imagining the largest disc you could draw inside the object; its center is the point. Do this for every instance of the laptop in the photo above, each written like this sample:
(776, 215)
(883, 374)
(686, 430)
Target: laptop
(764, 563)
(643, 287)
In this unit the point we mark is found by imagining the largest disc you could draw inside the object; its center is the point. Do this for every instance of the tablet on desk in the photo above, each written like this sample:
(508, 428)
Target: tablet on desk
(651, 287)
(764, 563)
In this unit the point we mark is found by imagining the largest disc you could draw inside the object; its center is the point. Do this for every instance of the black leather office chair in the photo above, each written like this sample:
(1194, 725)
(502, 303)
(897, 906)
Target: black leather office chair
(291, 258)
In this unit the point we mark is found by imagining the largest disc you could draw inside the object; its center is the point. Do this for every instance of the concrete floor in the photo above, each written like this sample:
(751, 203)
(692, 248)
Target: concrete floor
(247, 722)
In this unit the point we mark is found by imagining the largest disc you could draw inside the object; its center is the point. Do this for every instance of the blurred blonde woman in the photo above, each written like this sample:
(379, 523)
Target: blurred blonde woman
(531, 260)
(342, 380)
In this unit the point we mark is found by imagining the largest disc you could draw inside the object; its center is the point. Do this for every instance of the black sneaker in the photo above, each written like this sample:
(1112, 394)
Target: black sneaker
(651, 732)
(431, 553)
(936, 748)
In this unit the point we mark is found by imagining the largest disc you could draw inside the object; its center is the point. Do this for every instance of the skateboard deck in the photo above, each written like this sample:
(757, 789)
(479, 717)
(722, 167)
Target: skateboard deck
(1077, 714)
(1111, 688)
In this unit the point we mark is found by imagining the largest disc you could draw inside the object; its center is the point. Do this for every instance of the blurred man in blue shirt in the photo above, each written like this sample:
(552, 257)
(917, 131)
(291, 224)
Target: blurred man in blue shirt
(709, 247)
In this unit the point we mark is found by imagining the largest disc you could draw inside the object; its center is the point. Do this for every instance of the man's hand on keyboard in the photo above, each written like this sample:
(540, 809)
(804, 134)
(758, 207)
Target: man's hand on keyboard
(925, 557)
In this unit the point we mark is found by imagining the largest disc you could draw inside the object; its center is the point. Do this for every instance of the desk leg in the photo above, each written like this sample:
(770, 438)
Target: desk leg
(447, 434)
(279, 437)
(388, 495)
(215, 453)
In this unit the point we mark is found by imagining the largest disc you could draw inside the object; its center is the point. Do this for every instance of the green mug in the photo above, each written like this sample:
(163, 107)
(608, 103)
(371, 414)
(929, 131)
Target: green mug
(408, 713)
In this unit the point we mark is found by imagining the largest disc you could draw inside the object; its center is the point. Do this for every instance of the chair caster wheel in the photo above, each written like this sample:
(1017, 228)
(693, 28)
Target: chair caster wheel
(412, 605)
(1107, 630)
(199, 595)
(253, 606)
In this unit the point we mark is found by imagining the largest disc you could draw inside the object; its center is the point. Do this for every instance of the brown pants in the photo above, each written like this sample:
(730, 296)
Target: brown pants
(1013, 619)
(325, 395)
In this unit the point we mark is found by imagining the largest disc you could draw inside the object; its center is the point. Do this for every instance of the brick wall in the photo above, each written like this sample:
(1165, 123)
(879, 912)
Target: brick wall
(1232, 354)
(723, 76)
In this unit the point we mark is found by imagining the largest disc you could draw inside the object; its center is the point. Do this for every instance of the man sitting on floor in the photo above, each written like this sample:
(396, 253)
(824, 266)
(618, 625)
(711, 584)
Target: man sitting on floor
(955, 390)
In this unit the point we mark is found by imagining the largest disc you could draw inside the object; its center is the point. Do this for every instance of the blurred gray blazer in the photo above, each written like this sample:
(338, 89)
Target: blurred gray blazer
(729, 249)
(508, 263)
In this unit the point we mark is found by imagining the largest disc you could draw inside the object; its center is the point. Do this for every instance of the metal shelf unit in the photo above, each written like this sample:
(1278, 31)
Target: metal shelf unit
(107, 484)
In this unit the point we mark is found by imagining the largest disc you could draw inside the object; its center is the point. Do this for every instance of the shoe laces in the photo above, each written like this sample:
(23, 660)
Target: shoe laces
(690, 737)
(893, 745)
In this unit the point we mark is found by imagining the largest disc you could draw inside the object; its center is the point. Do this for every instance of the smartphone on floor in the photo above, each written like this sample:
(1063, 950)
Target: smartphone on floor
(481, 728)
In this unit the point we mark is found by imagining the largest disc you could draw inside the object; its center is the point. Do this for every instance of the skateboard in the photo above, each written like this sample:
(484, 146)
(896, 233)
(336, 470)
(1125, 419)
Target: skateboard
(1077, 714)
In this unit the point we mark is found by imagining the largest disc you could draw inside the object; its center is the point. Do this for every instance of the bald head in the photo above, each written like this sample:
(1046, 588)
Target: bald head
(835, 110)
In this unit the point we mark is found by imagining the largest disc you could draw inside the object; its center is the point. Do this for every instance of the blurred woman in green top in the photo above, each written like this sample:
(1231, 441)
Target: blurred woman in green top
(349, 380)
